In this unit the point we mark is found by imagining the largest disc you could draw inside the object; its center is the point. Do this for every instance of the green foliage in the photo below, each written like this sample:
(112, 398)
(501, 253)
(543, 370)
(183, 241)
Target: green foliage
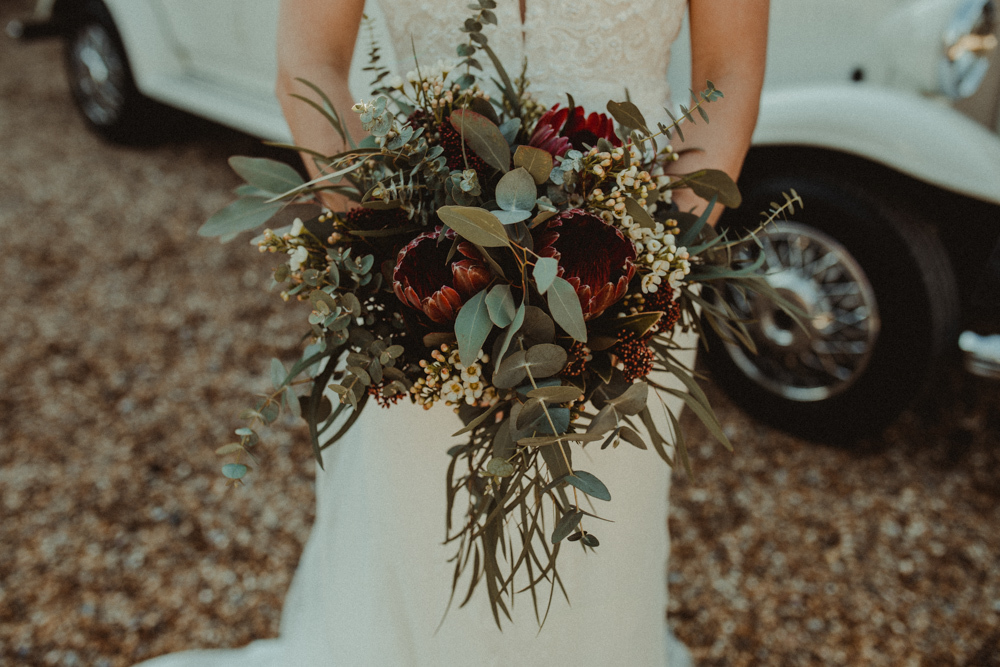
(535, 161)
(565, 307)
(589, 484)
(269, 176)
(475, 224)
(516, 196)
(500, 303)
(544, 273)
(240, 216)
(472, 327)
(483, 137)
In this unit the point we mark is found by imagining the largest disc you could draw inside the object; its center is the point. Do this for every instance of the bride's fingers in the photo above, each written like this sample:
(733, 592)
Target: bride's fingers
(688, 201)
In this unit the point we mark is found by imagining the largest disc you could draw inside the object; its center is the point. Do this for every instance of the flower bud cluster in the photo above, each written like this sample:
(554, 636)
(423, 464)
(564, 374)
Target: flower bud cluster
(673, 267)
(446, 379)
(430, 86)
(629, 180)
(301, 248)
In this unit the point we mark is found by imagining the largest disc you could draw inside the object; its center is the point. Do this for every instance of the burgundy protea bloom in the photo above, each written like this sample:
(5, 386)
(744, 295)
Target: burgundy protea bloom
(424, 280)
(558, 130)
(594, 257)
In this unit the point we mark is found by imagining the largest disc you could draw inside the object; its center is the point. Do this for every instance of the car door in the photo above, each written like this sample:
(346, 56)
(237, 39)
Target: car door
(230, 44)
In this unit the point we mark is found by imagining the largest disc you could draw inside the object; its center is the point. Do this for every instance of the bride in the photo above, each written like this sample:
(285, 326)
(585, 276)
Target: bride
(374, 580)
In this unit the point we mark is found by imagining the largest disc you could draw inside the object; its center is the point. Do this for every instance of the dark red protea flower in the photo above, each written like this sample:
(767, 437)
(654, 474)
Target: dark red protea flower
(558, 130)
(594, 257)
(423, 279)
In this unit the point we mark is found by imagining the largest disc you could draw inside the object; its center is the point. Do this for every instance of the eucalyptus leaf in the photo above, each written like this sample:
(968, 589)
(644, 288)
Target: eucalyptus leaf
(632, 401)
(278, 374)
(509, 129)
(538, 327)
(479, 419)
(483, 137)
(231, 448)
(511, 371)
(567, 524)
(605, 420)
(557, 394)
(361, 374)
(589, 484)
(472, 326)
(511, 330)
(559, 421)
(709, 183)
(240, 216)
(632, 437)
(268, 175)
(535, 161)
(511, 217)
(475, 224)
(500, 467)
(294, 406)
(528, 414)
(639, 323)
(545, 360)
(500, 303)
(628, 115)
(566, 310)
(544, 272)
(235, 470)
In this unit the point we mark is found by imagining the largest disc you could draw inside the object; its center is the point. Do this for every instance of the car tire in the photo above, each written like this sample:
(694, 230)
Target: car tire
(883, 311)
(101, 81)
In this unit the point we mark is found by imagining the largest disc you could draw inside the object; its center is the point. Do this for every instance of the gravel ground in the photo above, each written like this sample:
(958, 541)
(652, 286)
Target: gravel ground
(131, 345)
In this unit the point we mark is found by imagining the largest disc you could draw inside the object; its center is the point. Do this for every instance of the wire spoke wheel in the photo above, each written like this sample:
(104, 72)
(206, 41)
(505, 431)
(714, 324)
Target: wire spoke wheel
(826, 350)
(877, 307)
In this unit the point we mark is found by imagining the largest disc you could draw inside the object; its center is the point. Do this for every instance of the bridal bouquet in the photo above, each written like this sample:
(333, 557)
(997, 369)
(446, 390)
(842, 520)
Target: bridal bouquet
(518, 263)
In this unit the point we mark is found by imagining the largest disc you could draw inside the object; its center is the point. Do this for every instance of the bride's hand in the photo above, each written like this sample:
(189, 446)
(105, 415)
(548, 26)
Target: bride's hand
(688, 202)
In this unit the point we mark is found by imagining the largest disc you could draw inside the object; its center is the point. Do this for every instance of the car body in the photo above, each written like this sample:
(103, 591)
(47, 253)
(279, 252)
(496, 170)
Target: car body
(881, 114)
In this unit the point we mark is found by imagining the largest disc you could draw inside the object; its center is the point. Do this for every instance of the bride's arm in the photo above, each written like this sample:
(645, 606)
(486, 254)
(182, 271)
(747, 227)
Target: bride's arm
(316, 42)
(728, 48)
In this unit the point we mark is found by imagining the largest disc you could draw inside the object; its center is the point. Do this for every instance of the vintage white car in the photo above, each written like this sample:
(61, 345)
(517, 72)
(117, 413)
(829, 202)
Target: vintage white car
(881, 114)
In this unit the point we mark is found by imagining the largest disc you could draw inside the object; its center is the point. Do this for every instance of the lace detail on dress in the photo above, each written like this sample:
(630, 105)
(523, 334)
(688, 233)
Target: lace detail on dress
(627, 45)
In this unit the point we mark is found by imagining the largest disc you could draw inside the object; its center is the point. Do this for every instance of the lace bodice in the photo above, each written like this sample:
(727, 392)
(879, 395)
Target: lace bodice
(594, 49)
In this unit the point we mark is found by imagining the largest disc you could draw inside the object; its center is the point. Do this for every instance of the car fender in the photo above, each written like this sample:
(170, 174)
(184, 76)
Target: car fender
(918, 136)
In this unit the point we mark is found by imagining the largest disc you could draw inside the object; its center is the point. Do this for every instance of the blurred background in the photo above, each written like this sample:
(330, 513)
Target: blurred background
(130, 345)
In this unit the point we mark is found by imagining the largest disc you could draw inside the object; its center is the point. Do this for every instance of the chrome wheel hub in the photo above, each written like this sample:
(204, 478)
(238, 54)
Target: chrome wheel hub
(99, 74)
(830, 346)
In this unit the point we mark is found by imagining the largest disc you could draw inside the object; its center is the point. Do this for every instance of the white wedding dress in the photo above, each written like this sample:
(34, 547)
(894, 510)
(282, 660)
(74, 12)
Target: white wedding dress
(373, 582)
